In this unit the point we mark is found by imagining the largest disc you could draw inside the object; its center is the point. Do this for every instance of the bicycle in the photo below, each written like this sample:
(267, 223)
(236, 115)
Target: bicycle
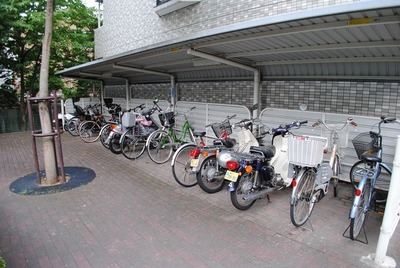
(311, 176)
(162, 143)
(90, 130)
(133, 140)
(364, 175)
(337, 135)
(188, 159)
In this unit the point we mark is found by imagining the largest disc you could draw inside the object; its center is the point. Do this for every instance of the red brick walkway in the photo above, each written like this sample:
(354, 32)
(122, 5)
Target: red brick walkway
(133, 214)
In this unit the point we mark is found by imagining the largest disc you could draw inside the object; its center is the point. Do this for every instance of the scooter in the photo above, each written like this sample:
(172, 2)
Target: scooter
(210, 173)
(263, 170)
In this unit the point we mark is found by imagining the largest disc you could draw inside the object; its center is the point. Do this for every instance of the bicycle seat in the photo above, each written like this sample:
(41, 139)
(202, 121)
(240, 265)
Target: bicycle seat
(371, 156)
(199, 134)
(268, 151)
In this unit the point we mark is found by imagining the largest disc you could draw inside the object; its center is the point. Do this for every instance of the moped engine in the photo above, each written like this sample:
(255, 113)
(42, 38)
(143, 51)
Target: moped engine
(268, 173)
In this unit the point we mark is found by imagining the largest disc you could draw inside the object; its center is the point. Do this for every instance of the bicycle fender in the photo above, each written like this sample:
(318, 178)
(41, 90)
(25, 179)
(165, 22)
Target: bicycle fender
(356, 201)
(298, 179)
(179, 149)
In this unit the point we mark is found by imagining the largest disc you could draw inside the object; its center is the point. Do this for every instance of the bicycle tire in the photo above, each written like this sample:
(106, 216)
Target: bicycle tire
(72, 126)
(244, 187)
(209, 179)
(159, 146)
(89, 131)
(115, 146)
(335, 177)
(302, 203)
(104, 132)
(132, 146)
(181, 166)
(361, 206)
(381, 188)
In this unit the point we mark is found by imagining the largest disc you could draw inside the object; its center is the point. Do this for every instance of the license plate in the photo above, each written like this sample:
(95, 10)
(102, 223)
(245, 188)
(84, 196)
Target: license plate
(231, 176)
(194, 162)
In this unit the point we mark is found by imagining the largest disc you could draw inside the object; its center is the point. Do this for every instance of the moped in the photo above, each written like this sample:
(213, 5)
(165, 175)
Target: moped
(263, 170)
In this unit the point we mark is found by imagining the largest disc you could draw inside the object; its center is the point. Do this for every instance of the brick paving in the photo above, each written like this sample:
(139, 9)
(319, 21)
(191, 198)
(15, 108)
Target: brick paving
(133, 214)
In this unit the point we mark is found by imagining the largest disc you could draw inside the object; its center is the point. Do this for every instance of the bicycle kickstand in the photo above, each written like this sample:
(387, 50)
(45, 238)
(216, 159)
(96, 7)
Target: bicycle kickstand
(358, 240)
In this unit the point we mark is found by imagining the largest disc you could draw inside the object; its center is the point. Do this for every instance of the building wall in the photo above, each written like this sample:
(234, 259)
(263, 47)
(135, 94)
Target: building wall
(133, 24)
(341, 97)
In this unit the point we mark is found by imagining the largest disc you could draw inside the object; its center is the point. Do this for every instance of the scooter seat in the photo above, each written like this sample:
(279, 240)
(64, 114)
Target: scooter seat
(268, 151)
(229, 143)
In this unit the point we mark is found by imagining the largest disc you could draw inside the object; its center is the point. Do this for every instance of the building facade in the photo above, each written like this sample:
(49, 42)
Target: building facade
(137, 24)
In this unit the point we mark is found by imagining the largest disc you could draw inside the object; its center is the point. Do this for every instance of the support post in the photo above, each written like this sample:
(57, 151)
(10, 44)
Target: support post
(390, 219)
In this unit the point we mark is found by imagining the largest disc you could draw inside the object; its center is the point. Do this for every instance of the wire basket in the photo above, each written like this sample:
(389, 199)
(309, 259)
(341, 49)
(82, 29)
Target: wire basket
(342, 138)
(306, 150)
(167, 119)
(364, 142)
(220, 128)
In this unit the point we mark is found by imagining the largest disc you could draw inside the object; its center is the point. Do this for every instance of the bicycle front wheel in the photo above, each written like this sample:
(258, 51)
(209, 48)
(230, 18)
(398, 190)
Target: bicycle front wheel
(181, 166)
(303, 200)
(89, 131)
(104, 133)
(361, 208)
(160, 146)
(132, 146)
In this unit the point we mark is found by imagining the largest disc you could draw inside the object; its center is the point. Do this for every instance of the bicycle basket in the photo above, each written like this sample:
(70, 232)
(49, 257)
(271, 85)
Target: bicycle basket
(219, 128)
(364, 142)
(342, 136)
(306, 150)
(168, 118)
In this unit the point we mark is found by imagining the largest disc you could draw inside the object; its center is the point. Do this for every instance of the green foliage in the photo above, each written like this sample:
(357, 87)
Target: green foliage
(21, 36)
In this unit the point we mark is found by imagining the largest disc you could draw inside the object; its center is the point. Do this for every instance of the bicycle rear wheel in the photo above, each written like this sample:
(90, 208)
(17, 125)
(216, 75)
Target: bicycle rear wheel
(361, 206)
(382, 182)
(303, 200)
(89, 131)
(210, 179)
(132, 146)
(160, 146)
(72, 126)
(181, 166)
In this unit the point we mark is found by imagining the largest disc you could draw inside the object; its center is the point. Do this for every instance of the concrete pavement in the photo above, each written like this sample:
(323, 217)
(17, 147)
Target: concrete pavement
(134, 214)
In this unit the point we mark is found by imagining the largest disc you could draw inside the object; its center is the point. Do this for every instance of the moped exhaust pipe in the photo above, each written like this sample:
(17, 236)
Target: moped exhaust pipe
(261, 193)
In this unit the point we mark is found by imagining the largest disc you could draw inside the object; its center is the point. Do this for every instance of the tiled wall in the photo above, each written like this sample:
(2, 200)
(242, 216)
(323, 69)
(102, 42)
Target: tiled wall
(353, 98)
(133, 24)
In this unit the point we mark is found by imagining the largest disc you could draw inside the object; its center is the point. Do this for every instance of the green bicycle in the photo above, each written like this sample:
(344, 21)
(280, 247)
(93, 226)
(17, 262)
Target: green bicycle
(162, 143)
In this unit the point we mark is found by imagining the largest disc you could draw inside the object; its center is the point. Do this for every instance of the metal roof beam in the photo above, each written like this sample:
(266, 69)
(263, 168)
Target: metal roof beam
(329, 60)
(379, 44)
(303, 29)
(123, 67)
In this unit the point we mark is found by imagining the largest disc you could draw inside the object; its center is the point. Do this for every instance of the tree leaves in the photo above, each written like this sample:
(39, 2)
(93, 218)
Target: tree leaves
(21, 36)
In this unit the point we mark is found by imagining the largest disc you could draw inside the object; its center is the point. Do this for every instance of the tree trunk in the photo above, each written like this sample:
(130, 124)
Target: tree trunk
(44, 113)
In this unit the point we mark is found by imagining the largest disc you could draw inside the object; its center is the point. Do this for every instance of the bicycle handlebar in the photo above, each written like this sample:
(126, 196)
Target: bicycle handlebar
(335, 127)
(285, 128)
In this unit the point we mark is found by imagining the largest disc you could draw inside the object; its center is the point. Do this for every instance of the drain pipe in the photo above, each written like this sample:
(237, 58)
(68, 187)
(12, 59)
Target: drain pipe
(256, 93)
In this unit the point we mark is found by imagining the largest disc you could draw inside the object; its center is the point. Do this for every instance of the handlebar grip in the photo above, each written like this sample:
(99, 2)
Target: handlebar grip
(354, 124)
(303, 122)
(389, 120)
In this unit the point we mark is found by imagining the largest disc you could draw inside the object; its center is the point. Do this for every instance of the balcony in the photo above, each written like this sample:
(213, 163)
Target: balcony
(164, 7)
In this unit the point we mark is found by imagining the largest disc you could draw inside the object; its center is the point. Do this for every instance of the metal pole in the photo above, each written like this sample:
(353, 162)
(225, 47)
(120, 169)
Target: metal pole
(173, 92)
(392, 214)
